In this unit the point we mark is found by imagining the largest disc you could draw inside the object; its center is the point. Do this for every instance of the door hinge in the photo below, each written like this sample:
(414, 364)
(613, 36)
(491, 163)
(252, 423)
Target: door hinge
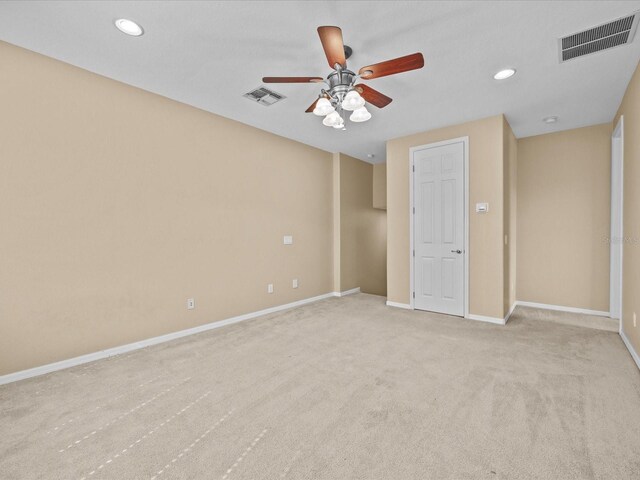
(414, 294)
(414, 210)
(414, 253)
(414, 168)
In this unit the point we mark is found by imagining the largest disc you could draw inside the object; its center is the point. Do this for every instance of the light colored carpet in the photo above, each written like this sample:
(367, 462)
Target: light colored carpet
(340, 389)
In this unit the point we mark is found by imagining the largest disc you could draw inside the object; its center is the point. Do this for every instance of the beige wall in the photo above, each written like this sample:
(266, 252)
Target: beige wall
(486, 252)
(564, 198)
(630, 108)
(116, 205)
(363, 230)
(380, 186)
(510, 188)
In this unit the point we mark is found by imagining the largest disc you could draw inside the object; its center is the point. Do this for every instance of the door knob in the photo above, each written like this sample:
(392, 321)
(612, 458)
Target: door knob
(456, 251)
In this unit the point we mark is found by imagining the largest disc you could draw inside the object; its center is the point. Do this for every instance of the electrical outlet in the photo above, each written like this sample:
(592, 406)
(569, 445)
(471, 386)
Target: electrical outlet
(482, 207)
(191, 303)
(270, 288)
(635, 323)
(295, 283)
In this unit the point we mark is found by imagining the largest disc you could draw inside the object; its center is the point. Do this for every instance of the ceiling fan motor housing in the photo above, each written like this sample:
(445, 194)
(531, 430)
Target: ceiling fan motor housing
(340, 82)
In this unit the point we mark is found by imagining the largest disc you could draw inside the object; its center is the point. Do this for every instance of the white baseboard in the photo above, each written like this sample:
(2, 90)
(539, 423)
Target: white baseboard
(406, 306)
(110, 352)
(513, 307)
(470, 316)
(634, 354)
(560, 308)
(482, 318)
(347, 292)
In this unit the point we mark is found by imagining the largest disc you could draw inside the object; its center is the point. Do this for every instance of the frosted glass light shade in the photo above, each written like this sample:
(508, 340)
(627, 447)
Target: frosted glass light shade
(332, 119)
(323, 107)
(352, 101)
(360, 115)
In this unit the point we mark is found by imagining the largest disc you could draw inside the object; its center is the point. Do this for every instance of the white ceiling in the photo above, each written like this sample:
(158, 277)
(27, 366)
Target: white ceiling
(207, 54)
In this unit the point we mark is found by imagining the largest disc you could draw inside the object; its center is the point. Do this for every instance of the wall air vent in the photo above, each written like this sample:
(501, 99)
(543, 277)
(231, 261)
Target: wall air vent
(609, 35)
(264, 96)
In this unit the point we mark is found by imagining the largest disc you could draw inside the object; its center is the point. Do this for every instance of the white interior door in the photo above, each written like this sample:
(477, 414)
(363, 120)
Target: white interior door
(439, 196)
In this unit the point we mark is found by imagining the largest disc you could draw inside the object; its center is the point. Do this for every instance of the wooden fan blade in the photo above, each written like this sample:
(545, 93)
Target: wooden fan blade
(372, 96)
(313, 105)
(331, 38)
(292, 79)
(391, 67)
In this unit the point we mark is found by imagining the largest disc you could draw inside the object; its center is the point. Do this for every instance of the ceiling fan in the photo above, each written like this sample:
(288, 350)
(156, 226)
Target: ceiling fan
(343, 93)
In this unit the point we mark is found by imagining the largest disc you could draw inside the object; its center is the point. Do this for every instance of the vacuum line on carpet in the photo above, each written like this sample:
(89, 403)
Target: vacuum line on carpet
(95, 409)
(192, 445)
(149, 433)
(117, 419)
(244, 454)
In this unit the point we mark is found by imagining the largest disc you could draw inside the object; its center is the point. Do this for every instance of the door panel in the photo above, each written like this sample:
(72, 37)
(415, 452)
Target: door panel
(448, 212)
(448, 278)
(427, 276)
(427, 207)
(439, 228)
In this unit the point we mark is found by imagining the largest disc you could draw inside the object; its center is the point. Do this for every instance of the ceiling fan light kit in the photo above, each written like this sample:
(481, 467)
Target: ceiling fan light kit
(332, 119)
(352, 101)
(323, 107)
(360, 115)
(342, 94)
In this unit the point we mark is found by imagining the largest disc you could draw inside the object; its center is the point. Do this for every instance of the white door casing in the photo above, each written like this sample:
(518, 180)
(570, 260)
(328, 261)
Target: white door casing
(439, 227)
(616, 239)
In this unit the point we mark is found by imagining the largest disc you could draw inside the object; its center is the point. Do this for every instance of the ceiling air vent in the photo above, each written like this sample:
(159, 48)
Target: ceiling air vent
(609, 35)
(264, 96)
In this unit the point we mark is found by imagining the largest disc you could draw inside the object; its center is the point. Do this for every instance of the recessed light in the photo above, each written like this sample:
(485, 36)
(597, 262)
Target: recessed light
(504, 74)
(552, 119)
(129, 27)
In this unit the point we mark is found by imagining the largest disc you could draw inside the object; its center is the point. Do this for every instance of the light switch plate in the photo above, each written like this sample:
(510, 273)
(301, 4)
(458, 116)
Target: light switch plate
(482, 207)
(288, 240)
(191, 303)
(295, 283)
(270, 288)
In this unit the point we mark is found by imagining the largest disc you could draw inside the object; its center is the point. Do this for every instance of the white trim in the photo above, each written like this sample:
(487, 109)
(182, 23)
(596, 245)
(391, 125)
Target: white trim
(467, 199)
(560, 308)
(617, 211)
(399, 305)
(496, 320)
(411, 239)
(110, 352)
(627, 343)
(513, 307)
(482, 318)
(412, 150)
(347, 292)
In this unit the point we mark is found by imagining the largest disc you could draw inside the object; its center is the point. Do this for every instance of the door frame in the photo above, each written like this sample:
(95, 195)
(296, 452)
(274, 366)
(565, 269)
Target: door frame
(465, 282)
(616, 239)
